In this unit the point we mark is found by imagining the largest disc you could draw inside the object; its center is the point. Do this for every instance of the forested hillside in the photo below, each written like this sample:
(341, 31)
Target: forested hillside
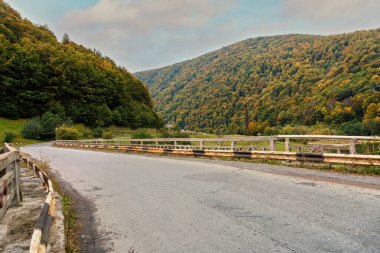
(39, 74)
(260, 83)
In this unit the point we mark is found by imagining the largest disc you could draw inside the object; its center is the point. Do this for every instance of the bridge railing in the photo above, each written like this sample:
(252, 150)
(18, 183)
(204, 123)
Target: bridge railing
(40, 236)
(10, 181)
(360, 150)
(281, 143)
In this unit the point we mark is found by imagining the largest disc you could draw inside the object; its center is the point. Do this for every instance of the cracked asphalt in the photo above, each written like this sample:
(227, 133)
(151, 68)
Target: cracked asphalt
(151, 204)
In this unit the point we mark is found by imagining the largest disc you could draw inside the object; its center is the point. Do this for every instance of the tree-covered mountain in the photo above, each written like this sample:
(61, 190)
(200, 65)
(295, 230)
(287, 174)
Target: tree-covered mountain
(274, 81)
(39, 74)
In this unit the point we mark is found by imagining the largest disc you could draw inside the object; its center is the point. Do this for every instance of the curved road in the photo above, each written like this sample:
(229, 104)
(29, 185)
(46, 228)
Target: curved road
(154, 204)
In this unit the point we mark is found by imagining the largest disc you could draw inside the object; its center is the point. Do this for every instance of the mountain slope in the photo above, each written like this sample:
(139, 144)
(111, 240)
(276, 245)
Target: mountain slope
(38, 74)
(272, 81)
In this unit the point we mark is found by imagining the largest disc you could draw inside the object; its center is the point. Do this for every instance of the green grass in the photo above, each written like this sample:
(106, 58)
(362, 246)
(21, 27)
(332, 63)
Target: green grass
(14, 126)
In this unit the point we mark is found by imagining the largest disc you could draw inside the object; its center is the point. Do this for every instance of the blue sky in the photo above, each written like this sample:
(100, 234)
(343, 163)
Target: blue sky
(145, 34)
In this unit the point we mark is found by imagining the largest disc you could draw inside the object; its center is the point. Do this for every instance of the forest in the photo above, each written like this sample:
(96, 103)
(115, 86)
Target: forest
(260, 84)
(40, 74)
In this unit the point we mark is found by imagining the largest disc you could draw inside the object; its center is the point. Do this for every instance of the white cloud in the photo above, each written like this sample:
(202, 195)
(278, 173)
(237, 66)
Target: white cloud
(148, 15)
(332, 9)
(144, 34)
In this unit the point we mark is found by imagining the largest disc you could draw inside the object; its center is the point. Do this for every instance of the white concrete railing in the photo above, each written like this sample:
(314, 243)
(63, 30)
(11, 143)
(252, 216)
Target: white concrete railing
(10, 182)
(310, 144)
(335, 149)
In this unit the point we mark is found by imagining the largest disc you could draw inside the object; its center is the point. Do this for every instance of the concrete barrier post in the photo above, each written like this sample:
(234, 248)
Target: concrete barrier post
(287, 145)
(353, 146)
(233, 144)
(272, 145)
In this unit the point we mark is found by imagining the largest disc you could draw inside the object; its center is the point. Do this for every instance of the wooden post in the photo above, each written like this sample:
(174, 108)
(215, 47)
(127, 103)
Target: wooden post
(353, 146)
(201, 145)
(175, 144)
(156, 144)
(272, 145)
(287, 146)
(18, 180)
(34, 169)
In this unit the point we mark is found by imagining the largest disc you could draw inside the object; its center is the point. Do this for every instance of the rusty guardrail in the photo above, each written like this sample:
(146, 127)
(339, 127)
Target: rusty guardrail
(334, 149)
(40, 235)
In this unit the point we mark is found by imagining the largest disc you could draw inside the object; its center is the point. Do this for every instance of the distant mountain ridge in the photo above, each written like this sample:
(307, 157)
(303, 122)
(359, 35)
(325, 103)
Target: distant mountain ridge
(274, 81)
(39, 74)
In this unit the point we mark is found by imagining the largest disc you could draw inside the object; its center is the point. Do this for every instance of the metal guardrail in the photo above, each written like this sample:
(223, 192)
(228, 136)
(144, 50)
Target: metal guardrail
(10, 182)
(40, 235)
(264, 147)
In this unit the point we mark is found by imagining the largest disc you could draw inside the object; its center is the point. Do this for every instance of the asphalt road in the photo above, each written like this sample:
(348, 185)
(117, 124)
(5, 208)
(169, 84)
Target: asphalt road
(154, 204)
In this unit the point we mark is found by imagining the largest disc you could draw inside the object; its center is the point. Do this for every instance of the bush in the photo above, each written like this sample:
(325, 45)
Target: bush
(49, 122)
(175, 134)
(87, 133)
(32, 129)
(353, 128)
(44, 127)
(66, 132)
(108, 135)
(97, 132)
(142, 135)
(9, 137)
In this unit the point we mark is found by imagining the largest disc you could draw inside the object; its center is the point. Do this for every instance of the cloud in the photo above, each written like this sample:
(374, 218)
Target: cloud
(134, 31)
(331, 9)
(144, 34)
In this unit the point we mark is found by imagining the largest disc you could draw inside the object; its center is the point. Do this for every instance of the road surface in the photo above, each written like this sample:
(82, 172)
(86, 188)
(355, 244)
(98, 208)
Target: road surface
(154, 204)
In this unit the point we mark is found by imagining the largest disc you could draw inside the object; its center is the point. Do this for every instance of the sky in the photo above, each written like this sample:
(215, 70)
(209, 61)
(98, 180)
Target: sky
(146, 34)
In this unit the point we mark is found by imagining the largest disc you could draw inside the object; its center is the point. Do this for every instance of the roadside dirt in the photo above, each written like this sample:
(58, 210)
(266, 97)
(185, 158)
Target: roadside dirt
(90, 239)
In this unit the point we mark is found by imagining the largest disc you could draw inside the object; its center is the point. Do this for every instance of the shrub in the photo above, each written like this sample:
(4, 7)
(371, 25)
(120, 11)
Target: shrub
(97, 132)
(32, 129)
(353, 128)
(164, 133)
(108, 135)
(49, 122)
(44, 127)
(87, 133)
(141, 135)
(66, 132)
(9, 137)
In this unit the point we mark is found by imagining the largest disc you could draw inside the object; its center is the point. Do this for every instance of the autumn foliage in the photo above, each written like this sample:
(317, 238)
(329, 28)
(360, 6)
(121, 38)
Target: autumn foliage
(279, 81)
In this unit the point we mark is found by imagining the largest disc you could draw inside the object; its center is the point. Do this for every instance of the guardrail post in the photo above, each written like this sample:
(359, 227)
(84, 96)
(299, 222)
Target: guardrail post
(233, 144)
(272, 144)
(287, 145)
(201, 145)
(353, 146)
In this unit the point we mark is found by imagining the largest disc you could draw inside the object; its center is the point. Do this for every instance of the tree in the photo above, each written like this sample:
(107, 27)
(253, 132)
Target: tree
(66, 39)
